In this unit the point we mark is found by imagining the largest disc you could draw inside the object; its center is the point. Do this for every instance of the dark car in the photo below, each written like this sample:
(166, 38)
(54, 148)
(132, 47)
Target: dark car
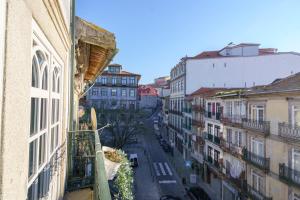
(197, 193)
(166, 147)
(169, 197)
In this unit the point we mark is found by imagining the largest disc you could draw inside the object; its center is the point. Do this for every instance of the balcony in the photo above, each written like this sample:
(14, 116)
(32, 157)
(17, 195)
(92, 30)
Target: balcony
(231, 148)
(174, 128)
(240, 182)
(289, 131)
(289, 175)
(198, 108)
(212, 115)
(198, 123)
(216, 164)
(187, 110)
(256, 125)
(255, 194)
(86, 164)
(258, 161)
(175, 112)
(213, 138)
(234, 120)
(187, 126)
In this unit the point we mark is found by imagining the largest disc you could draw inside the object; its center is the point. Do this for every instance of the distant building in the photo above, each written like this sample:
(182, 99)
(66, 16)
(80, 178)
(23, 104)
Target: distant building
(114, 89)
(148, 96)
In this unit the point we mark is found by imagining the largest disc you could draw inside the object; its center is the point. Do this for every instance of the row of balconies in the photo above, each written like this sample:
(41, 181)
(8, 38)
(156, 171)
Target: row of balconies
(176, 112)
(109, 83)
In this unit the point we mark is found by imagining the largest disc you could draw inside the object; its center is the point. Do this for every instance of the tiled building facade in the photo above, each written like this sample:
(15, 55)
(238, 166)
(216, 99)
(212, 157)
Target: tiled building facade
(115, 88)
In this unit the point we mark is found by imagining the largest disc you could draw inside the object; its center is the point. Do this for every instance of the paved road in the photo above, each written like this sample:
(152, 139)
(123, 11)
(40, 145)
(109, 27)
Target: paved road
(165, 175)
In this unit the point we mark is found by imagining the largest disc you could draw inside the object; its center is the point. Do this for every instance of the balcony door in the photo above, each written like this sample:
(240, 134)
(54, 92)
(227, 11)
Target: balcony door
(257, 147)
(296, 165)
(257, 113)
(296, 116)
(257, 183)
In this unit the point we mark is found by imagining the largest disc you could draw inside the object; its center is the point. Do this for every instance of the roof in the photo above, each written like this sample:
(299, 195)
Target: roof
(287, 84)
(147, 90)
(122, 73)
(216, 53)
(206, 92)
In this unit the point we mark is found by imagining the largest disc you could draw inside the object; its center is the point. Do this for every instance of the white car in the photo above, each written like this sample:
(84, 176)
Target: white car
(133, 158)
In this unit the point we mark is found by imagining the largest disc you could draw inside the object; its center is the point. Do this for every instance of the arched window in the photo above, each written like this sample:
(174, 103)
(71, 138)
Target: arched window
(35, 73)
(45, 79)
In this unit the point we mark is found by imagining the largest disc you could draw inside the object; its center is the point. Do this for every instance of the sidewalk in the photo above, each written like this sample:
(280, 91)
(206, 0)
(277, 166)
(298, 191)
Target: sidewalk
(184, 171)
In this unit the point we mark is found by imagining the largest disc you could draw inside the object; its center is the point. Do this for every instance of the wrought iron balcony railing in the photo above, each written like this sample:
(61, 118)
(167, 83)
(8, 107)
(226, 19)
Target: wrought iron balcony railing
(86, 164)
(213, 138)
(289, 131)
(232, 119)
(217, 164)
(212, 115)
(234, 149)
(176, 112)
(256, 194)
(198, 108)
(174, 128)
(239, 182)
(198, 123)
(289, 175)
(257, 125)
(257, 160)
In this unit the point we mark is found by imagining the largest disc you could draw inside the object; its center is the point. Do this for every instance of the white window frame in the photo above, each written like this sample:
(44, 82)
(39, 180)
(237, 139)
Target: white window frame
(294, 110)
(255, 148)
(44, 45)
(258, 177)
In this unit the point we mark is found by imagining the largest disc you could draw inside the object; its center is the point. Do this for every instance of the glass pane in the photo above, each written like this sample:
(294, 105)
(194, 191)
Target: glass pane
(35, 73)
(34, 115)
(254, 181)
(32, 158)
(297, 117)
(52, 139)
(32, 192)
(260, 115)
(43, 114)
(56, 135)
(297, 161)
(42, 149)
(57, 110)
(53, 81)
(53, 111)
(45, 79)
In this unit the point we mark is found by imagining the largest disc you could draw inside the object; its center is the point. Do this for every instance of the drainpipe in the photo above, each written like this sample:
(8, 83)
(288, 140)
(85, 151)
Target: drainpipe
(71, 88)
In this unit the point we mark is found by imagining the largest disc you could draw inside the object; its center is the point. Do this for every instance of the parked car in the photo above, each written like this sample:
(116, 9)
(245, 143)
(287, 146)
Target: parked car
(166, 147)
(162, 141)
(169, 197)
(197, 193)
(133, 158)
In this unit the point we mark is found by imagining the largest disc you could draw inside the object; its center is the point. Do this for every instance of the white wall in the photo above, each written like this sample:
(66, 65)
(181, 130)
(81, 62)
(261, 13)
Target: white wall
(239, 70)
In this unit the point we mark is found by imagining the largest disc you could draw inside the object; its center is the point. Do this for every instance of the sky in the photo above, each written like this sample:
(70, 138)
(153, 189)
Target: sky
(153, 35)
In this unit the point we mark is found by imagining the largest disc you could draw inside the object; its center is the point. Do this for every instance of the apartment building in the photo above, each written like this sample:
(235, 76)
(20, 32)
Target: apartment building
(177, 96)
(115, 88)
(37, 95)
(272, 127)
(148, 97)
(216, 69)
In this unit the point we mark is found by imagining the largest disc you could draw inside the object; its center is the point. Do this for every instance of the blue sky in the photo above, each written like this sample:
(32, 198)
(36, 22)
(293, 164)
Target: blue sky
(152, 35)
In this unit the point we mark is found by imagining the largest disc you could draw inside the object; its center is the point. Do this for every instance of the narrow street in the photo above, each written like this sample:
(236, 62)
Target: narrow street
(155, 175)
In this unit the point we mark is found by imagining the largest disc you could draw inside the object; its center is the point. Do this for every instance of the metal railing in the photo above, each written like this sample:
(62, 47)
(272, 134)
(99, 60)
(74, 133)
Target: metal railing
(212, 138)
(257, 125)
(259, 161)
(87, 164)
(289, 131)
(232, 119)
(255, 194)
(231, 148)
(217, 164)
(212, 115)
(176, 112)
(174, 128)
(199, 123)
(198, 108)
(289, 175)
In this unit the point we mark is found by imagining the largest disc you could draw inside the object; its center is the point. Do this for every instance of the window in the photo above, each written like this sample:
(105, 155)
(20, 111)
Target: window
(103, 80)
(123, 92)
(257, 147)
(296, 115)
(216, 156)
(296, 160)
(217, 131)
(257, 182)
(95, 91)
(44, 115)
(32, 158)
(114, 80)
(258, 113)
(131, 93)
(113, 92)
(124, 80)
(103, 92)
(132, 80)
(229, 135)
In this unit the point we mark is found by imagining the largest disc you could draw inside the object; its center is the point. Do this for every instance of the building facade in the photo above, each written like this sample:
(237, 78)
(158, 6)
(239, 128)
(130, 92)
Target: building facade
(35, 51)
(115, 88)
(148, 97)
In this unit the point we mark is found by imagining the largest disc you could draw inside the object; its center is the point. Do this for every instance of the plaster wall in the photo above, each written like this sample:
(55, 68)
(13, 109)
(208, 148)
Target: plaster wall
(276, 111)
(17, 88)
(247, 71)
